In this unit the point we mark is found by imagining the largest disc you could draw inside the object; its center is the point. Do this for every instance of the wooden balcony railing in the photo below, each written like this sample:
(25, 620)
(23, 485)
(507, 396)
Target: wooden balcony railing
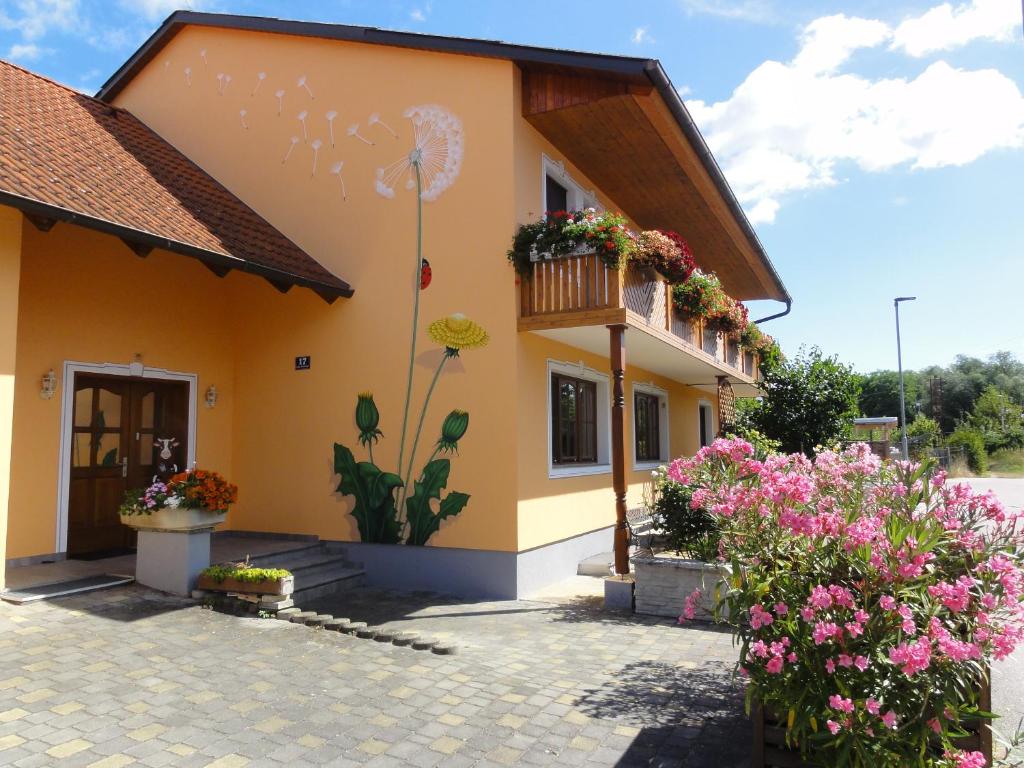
(579, 290)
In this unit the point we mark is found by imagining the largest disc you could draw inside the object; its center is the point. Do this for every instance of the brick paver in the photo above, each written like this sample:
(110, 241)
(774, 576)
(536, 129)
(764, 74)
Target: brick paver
(142, 679)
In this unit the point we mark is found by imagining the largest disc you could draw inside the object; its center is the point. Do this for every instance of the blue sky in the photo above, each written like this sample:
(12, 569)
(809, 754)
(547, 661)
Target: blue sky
(877, 146)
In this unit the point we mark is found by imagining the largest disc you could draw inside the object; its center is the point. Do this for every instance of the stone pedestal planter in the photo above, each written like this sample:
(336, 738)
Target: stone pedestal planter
(663, 583)
(173, 547)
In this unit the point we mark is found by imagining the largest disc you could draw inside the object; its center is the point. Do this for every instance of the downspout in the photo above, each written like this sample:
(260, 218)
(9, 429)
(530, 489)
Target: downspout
(783, 313)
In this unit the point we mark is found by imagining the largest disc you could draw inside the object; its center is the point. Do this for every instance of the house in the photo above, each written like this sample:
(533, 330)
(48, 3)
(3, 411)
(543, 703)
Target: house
(210, 260)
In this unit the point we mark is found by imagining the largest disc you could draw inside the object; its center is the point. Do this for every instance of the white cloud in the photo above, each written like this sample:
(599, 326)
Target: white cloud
(25, 52)
(944, 27)
(791, 126)
(760, 11)
(641, 36)
(420, 13)
(829, 41)
(35, 18)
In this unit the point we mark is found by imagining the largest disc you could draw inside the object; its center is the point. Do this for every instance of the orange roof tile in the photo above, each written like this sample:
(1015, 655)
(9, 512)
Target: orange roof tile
(68, 156)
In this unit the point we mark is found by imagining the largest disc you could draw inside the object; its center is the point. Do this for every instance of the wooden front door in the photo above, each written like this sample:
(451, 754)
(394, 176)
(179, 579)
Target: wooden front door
(125, 431)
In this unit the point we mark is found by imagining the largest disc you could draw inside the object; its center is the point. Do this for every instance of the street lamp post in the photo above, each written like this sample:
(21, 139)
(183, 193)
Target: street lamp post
(899, 362)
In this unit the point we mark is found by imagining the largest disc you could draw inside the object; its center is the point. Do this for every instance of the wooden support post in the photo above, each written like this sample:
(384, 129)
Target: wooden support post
(617, 357)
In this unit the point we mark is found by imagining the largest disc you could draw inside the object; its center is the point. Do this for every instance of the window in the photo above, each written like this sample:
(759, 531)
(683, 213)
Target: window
(561, 192)
(647, 426)
(579, 420)
(556, 196)
(574, 420)
(707, 428)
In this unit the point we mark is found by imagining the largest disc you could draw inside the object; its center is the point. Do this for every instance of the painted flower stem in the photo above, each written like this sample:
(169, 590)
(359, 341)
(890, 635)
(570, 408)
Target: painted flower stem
(416, 437)
(415, 313)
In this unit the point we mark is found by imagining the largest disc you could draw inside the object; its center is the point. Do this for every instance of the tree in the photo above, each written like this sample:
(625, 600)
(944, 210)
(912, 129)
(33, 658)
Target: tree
(880, 394)
(998, 419)
(809, 400)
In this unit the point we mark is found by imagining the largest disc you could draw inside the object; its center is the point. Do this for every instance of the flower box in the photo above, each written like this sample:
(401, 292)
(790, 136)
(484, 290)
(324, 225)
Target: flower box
(284, 585)
(177, 520)
(663, 580)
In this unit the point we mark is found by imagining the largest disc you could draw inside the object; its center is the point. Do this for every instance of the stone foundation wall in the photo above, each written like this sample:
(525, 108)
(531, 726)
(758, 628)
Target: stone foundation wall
(663, 584)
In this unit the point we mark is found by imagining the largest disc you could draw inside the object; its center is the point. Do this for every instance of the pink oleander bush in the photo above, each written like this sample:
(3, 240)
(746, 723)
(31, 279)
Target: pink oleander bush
(868, 598)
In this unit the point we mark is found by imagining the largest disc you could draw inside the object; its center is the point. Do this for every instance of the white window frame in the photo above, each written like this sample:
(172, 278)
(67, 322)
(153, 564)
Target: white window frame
(70, 368)
(663, 448)
(603, 404)
(576, 197)
(712, 427)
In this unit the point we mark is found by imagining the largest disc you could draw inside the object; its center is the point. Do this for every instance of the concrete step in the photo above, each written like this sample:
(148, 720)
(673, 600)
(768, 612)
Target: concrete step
(282, 558)
(602, 564)
(319, 568)
(327, 583)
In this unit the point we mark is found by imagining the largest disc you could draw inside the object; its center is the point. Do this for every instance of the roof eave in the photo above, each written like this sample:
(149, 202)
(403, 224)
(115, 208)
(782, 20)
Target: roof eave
(222, 261)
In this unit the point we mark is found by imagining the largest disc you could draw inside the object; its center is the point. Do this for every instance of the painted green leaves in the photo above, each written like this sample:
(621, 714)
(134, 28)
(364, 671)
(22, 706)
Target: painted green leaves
(374, 494)
(423, 521)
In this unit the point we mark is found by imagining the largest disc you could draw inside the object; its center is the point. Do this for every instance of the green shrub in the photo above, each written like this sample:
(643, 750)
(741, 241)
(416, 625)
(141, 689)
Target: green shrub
(972, 441)
(688, 530)
(246, 574)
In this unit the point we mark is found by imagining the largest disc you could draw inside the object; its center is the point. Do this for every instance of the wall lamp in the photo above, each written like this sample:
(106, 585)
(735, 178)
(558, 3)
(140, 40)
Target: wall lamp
(48, 385)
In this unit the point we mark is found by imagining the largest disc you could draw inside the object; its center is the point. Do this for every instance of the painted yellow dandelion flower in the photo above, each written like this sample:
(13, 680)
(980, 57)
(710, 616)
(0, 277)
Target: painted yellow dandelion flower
(457, 332)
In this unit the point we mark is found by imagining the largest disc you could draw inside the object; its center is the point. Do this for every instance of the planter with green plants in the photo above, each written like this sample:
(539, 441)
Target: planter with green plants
(688, 559)
(240, 578)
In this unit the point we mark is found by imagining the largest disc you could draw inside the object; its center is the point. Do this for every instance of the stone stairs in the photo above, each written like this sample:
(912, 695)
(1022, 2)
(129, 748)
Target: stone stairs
(320, 568)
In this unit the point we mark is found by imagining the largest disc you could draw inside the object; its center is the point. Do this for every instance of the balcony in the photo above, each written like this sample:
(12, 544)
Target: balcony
(570, 298)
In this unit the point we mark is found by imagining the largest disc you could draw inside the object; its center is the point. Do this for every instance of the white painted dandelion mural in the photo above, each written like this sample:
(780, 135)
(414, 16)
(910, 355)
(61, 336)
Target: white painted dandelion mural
(436, 154)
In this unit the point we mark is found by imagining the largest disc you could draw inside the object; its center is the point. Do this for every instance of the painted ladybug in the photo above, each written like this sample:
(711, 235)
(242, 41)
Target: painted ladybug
(425, 274)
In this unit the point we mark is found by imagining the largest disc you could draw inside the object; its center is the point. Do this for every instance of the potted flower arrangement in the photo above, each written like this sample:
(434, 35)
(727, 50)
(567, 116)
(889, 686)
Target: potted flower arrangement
(241, 578)
(665, 253)
(731, 316)
(562, 232)
(700, 297)
(188, 501)
(759, 343)
(867, 599)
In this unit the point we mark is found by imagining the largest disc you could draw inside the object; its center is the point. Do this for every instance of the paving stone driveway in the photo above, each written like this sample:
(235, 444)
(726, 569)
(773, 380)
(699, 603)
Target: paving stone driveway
(128, 677)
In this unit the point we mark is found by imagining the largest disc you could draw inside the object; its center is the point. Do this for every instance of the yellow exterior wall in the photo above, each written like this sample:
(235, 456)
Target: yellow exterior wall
(10, 269)
(552, 509)
(85, 297)
(286, 421)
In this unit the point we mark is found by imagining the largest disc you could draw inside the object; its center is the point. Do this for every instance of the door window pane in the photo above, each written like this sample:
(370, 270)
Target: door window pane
(81, 442)
(147, 454)
(83, 407)
(108, 449)
(147, 409)
(109, 410)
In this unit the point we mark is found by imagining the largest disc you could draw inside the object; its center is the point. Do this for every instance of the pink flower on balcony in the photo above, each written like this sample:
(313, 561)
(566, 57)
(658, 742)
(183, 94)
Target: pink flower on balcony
(872, 706)
(889, 718)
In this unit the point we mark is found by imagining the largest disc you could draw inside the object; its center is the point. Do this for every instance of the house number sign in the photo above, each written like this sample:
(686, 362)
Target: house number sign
(302, 362)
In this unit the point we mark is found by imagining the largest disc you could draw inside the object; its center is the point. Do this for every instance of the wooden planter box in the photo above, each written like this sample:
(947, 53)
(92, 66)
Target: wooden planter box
(282, 586)
(770, 750)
